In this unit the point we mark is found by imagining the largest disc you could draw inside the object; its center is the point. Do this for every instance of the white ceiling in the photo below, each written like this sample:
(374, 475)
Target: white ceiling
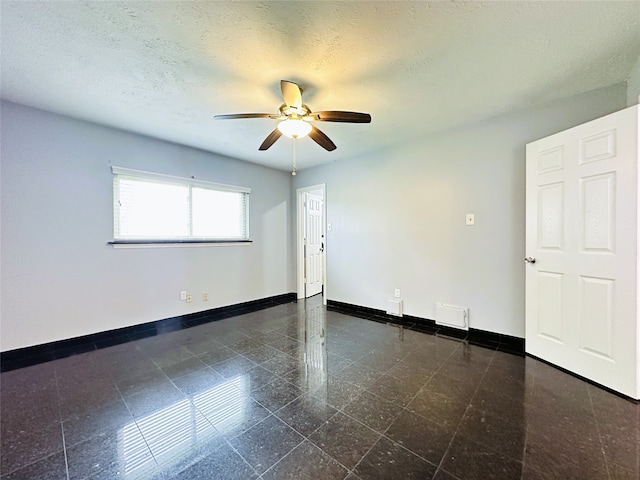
(164, 68)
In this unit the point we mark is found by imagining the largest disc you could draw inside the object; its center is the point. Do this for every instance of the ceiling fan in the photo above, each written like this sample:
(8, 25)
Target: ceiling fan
(295, 118)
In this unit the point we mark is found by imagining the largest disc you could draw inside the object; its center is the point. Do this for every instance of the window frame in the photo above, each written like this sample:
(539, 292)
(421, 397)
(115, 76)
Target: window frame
(190, 183)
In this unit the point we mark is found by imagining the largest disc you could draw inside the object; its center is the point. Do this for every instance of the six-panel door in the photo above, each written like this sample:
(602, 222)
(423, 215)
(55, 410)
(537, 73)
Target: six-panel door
(581, 228)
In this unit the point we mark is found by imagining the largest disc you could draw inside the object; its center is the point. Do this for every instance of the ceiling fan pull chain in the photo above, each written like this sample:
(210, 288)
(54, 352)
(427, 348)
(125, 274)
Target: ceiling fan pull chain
(293, 172)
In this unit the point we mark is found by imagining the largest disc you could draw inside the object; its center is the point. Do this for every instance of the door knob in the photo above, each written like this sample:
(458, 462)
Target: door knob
(530, 260)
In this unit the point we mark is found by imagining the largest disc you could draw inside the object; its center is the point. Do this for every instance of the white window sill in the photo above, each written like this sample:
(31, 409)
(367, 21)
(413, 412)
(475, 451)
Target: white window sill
(178, 244)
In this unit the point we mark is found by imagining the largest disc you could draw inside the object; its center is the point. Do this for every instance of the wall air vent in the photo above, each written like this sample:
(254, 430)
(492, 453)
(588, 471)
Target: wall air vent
(452, 316)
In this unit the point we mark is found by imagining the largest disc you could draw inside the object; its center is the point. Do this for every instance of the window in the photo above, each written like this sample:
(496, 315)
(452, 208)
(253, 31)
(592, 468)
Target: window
(154, 208)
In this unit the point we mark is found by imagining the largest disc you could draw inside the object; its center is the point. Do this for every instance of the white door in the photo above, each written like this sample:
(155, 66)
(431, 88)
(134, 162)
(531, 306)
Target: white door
(581, 229)
(314, 245)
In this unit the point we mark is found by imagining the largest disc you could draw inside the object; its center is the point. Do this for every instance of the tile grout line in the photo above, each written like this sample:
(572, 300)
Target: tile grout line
(64, 443)
(444, 456)
(136, 422)
(383, 434)
(260, 475)
(439, 466)
(224, 437)
(593, 412)
(307, 438)
(271, 414)
(304, 438)
(356, 420)
(286, 454)
(416, 395)
(526, 431)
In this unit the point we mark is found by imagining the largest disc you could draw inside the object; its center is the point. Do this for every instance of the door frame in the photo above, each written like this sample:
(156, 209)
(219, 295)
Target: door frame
(300, 260)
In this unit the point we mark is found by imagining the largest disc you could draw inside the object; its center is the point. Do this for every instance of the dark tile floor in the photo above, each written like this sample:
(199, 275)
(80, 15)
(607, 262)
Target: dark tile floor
(296, 392)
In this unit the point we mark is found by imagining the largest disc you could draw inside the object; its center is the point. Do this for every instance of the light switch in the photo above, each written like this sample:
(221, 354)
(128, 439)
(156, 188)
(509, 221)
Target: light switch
(470, 219)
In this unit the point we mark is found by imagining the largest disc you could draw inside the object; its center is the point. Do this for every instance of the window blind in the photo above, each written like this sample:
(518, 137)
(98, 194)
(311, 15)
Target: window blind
(155, 207)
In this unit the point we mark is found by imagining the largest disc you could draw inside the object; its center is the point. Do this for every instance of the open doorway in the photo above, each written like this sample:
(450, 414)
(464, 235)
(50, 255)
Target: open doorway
(311, 241)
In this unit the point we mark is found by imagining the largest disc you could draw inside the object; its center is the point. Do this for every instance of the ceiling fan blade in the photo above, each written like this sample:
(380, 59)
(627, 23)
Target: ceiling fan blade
(233, 116)
(271, 139)
(321, 139)
(338, 116)
(291, 93)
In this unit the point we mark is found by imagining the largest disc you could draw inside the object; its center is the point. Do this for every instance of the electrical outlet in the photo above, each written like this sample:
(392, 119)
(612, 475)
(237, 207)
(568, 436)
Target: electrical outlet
(397, 293)
(205, 297)
(188, 299)
(183, 295)
(470, 219)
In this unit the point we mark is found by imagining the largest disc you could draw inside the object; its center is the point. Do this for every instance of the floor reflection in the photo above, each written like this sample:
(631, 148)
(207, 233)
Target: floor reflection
(172, 433)
(225, 404)
(133, 452)
(298, 391)
(312, 325)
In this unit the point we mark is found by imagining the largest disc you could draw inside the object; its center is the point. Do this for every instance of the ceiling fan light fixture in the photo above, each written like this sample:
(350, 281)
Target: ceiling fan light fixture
(294, 116)
(294, 128)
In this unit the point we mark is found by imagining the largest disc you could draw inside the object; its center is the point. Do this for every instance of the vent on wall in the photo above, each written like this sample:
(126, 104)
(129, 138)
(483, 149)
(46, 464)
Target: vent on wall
(452, 316)
(394, 307)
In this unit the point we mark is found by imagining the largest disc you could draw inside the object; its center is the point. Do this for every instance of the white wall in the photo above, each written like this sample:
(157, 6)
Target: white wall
(398, 216)
(60, 279)
(633, 85)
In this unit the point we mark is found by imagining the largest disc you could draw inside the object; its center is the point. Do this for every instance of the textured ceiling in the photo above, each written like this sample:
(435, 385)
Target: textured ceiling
(164, 68)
